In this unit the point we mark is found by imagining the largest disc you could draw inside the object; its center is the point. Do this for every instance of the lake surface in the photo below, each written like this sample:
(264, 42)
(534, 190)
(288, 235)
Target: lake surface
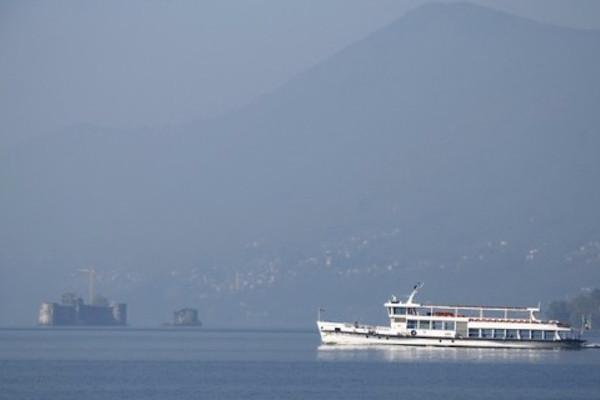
(127, 363)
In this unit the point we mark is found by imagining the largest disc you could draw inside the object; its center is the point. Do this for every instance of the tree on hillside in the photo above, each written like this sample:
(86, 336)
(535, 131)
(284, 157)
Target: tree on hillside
(584, 307)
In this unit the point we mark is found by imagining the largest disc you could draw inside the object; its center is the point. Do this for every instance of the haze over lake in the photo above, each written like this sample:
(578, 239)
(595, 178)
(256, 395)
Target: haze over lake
(456, 145)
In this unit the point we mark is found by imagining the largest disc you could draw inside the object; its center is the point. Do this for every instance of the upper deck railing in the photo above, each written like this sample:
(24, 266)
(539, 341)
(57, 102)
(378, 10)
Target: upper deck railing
(459, 309)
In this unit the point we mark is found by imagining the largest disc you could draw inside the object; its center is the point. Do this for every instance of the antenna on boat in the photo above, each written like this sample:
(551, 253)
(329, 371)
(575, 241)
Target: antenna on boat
(414, 292)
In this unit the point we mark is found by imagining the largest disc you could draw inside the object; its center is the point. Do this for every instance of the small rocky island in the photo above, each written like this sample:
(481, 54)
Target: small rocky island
(186, 317)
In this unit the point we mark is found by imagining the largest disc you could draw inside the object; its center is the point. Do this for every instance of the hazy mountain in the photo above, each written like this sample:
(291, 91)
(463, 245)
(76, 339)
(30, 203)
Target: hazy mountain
(457, 145)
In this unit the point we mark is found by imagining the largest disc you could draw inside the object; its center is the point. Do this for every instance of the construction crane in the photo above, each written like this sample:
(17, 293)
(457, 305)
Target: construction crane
(91, 272)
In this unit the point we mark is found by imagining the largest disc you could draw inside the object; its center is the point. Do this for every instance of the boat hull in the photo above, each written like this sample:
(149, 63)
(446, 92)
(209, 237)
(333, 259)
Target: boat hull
(343, 334)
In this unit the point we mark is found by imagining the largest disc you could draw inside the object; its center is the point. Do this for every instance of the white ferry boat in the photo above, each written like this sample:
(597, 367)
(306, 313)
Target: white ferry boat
(415, 324)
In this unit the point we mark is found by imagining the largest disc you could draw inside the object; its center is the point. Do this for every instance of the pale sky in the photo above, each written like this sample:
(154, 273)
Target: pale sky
(129, 64)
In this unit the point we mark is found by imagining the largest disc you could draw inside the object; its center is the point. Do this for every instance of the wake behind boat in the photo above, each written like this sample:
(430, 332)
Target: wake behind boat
(415, 324)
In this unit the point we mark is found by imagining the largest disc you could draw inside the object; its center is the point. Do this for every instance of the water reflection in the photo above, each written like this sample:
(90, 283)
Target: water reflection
(434, 354)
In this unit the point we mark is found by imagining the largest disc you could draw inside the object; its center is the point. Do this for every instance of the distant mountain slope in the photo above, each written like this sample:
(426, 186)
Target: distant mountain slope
(458, 145)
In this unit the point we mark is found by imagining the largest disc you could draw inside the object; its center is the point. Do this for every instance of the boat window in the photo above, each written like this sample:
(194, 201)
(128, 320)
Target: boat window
(449, 325)
(511, 333)
(486, 333)
(437, 325)
(549, 335)
(400, 310)
(537, 334)
(473, 333)
(524, 334)
(499, 333)
(564, 335)
(424, 325)
(411, 324)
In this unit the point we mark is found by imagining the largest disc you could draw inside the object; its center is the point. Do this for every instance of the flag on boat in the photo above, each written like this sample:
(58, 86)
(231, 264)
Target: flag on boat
(585, 322)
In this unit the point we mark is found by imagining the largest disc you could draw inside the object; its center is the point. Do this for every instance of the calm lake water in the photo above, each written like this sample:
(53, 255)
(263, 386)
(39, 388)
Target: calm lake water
(209, 364)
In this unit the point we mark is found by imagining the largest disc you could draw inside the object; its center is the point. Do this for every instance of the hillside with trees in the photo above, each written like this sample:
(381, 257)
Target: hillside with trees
(580, 310)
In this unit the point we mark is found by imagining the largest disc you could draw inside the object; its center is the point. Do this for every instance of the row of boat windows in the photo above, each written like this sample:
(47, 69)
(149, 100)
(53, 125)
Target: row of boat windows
(402, 311)
(516, 334)
(414, 311)
(437, 325)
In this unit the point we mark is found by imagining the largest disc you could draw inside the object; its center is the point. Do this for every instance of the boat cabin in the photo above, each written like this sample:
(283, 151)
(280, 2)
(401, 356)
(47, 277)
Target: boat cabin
(473, 322)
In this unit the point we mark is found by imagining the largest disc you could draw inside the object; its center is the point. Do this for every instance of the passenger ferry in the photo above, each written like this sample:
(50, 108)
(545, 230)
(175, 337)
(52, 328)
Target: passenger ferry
(415, 324)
